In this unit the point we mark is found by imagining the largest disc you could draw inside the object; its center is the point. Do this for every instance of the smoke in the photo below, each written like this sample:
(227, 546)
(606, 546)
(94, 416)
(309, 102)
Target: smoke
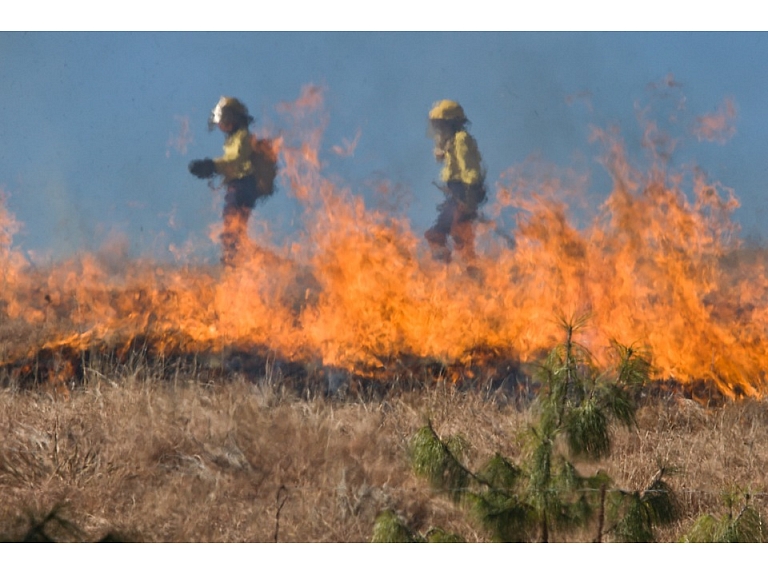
(347, 148)
(182, 139)
(719, 126)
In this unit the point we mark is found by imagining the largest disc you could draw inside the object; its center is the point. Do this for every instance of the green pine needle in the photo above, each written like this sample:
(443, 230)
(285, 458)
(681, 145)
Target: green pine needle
(747, 527)
(507, 518)
(500, 473)
(438, 461)
(586, 428)
(389, 528)
(438, 535)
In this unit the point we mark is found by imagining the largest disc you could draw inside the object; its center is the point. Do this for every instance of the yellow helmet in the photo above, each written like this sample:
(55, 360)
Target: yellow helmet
(230, 107)
(447, 110)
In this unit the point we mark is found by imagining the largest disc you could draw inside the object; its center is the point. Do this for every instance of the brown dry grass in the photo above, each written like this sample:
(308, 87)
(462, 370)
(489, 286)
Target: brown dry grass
(236, 461)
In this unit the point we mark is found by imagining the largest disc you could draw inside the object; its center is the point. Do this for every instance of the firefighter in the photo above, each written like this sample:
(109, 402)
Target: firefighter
(242, 170)
(462, 182)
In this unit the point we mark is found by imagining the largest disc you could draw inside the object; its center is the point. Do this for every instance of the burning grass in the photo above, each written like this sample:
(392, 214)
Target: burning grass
(658, 263)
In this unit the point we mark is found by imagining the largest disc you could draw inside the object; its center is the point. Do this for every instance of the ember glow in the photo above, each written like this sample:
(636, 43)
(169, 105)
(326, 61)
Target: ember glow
(660, 265)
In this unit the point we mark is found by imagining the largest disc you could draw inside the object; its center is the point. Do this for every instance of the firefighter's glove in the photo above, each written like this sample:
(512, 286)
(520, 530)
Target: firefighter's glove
(202, 168)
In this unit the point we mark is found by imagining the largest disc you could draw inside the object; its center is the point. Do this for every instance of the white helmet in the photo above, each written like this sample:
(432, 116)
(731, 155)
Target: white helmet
(228, 108)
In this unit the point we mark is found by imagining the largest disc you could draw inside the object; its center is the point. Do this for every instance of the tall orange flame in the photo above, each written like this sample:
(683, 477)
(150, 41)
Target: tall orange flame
(357, 287)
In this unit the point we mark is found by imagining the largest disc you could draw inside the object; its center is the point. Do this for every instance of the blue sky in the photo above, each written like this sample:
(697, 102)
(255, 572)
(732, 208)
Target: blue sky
(89, 119)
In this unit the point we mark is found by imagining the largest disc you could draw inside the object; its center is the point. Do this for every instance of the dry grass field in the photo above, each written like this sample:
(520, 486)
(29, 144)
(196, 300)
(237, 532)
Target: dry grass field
(141, 458)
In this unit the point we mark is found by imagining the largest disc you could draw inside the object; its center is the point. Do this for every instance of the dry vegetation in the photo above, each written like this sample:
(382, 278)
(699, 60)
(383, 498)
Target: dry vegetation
(142, 458)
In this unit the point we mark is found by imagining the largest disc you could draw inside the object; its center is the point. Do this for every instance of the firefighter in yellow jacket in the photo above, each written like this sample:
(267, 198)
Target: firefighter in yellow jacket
(463, 182)
(241, 171)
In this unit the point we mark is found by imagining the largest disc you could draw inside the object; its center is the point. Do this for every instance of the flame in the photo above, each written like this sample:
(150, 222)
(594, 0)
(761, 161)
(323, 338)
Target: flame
(660, 265)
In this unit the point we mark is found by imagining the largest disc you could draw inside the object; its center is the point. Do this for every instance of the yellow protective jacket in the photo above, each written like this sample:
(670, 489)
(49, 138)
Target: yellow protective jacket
(462, 161)
(237, 161)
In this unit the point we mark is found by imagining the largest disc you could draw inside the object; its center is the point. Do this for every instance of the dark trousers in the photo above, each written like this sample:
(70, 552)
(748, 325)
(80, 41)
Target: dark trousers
(456, 220)
(238, 203)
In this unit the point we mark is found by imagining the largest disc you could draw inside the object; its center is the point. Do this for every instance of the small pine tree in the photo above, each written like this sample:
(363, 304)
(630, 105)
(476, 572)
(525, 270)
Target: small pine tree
(575, 407)
(547, 494)
(578, 401)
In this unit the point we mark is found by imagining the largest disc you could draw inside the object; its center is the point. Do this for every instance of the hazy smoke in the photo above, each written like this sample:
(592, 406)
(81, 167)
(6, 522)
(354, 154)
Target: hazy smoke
(719, 126)
(182, 139)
